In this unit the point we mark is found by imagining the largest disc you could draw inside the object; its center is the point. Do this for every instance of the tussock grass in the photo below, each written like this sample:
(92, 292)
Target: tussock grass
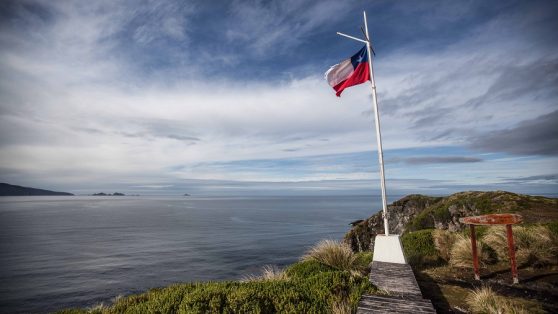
(341, 307)
(269, 273)
(335, 254)
(461, 254)
(272, 272)
(535, 245)
(443, 241)
(485, 300)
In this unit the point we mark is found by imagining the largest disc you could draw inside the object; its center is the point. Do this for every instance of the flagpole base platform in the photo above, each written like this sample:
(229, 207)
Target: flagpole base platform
(388, 249)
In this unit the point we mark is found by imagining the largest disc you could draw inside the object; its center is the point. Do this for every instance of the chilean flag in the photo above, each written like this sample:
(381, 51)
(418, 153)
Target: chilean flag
(349, 72)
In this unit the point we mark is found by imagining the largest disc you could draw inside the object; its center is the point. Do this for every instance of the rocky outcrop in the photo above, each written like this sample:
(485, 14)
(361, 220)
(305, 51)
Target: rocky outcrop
(400, 213)
(415, 212)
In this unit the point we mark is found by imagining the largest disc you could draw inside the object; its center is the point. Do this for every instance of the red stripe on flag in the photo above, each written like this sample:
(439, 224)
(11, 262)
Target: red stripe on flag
(359, 76)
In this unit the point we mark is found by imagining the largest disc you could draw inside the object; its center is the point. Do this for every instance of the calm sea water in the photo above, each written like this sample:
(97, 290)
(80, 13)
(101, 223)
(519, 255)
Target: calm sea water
(59, 252)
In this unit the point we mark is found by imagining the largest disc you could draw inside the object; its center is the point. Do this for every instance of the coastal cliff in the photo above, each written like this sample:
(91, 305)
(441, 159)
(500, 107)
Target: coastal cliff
(416, 212)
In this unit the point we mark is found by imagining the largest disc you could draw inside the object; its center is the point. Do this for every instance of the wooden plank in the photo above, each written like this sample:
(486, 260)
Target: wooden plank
(394, 278)
(492, 219)
(404, 293)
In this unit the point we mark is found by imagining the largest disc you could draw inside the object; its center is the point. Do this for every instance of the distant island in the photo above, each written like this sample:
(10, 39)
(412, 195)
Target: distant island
(186, 194)
(105, 194)
(16, 190)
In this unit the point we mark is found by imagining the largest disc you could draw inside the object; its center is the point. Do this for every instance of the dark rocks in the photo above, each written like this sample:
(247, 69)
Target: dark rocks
(356, 222)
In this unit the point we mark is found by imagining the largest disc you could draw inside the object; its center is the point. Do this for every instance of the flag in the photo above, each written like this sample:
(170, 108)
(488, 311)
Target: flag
(350, 72)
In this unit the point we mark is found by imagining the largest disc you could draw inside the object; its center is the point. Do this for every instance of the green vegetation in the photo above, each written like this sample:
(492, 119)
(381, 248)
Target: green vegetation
(417, 200)
(532, 208)
(439, 248)
(553, 227)
(443, 241)
(438, 256)
(363, 259)
(308, 286)
(419, 248)
(536, 245)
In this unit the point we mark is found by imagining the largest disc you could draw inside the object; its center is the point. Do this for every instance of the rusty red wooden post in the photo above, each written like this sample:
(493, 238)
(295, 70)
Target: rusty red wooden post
(511, 248)
(475, 255)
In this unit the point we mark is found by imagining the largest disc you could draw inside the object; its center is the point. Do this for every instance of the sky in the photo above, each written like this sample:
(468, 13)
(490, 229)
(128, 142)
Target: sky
(229, 97)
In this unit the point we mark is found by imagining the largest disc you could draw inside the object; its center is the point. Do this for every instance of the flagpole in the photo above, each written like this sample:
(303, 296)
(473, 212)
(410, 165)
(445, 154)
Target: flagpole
(378, 134)
(377, 118)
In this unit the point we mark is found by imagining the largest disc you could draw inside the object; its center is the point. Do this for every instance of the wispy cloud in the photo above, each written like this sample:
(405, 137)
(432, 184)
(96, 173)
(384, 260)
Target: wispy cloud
(437, 160)
(531, 137)
(278, 26)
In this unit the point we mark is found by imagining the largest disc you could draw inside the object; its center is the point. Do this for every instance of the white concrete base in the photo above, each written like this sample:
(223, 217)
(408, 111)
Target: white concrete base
(388, 249)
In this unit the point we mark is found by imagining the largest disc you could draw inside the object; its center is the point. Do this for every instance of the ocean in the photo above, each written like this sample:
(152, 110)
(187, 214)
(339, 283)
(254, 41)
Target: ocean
(58, 252)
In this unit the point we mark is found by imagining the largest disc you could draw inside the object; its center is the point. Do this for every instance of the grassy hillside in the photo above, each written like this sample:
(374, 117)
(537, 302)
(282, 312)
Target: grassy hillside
(446, 211)
(417, 212)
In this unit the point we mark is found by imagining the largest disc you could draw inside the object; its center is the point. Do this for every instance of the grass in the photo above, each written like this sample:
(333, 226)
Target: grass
(439, 255)
(269, 272)
(341, 307)
(485, 300)
(309, 286)
(334, 254)
(447, 284)
(553, 227)
(461, 254)
(419, 248)
(536, 245)
(443, 242)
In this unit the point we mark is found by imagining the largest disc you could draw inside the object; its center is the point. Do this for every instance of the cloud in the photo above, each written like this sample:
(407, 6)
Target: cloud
(545, 178)
(437, 160)
(539, 79)
(531, 137)
(462, 89)
(278, 26)
(156, 93)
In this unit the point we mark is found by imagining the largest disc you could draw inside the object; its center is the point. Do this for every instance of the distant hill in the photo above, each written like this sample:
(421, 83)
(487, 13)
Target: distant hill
(108, 194)
(16, 190)
(416, 212)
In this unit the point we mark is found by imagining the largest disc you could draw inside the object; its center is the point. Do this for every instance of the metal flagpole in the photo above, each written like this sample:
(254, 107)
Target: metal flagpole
(377, 119)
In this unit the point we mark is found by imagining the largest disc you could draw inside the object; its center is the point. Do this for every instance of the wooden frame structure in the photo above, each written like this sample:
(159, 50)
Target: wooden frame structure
(493, 219)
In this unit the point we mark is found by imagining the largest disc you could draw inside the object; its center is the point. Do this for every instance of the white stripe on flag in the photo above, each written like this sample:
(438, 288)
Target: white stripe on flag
(339, 72)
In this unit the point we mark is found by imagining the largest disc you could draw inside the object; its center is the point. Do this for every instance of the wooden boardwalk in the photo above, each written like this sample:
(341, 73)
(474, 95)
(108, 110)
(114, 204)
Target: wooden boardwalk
(399, 282)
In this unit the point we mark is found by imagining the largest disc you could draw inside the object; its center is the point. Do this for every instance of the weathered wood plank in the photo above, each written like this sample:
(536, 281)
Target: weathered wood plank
(404, 293)
(492, 219)
(394, 278)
